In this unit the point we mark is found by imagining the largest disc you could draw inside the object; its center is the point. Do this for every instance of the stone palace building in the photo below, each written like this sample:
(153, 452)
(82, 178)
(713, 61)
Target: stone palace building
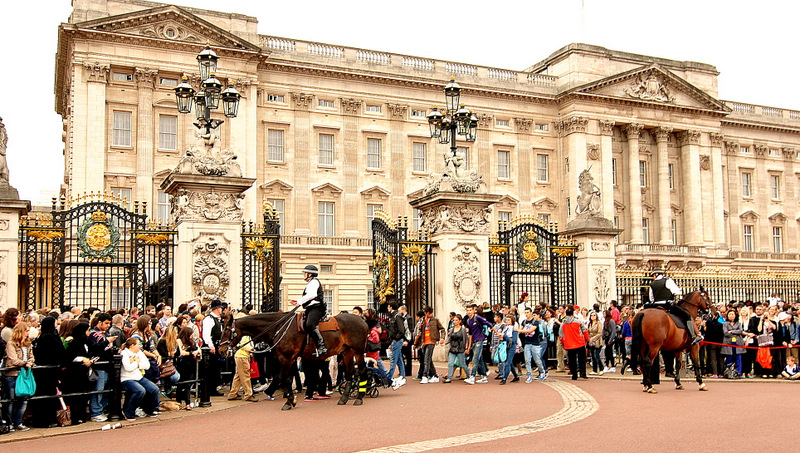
(333, 134)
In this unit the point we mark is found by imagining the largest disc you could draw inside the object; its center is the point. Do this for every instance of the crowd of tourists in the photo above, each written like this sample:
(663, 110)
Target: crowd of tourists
(71, 352)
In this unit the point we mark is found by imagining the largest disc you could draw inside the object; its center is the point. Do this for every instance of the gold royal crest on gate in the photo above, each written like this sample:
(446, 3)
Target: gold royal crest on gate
(98, 237)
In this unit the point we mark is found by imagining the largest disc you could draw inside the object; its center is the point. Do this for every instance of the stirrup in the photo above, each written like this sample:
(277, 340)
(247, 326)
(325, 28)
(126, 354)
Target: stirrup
(697, 340)
(320, 351)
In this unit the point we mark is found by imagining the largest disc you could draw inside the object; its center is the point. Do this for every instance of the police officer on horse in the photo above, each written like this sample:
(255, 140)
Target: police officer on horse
(314, 305)
(663, 291)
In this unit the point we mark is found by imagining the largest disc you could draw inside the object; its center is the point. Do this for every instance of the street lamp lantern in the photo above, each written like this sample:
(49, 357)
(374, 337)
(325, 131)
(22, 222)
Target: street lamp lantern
(473, 128)
(462, 120)
(435, 122)
(184, 94)
(200, 105)
(213, 88)
(207, 61)
(452, 93)
(230, 101)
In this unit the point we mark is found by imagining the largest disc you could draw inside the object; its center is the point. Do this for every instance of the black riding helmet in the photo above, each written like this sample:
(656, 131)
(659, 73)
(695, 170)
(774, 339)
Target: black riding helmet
(311, 269)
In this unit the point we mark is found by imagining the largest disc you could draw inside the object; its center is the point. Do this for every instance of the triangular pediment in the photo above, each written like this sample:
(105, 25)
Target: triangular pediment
(654, 85)
(376, 193)
(416, 194)
(170, 23)
(749, 216)
(544, 203)
(507, 202)
(327, 190)
(275, 187)
(777, 218)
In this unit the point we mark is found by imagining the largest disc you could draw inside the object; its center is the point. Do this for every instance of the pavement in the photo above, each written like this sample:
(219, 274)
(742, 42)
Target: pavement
(442, 417)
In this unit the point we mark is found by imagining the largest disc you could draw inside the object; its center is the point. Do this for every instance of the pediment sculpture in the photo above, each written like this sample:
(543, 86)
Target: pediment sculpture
(650, 88)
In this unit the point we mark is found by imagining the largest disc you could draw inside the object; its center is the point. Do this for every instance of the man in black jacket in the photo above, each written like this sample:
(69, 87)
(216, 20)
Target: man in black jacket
(397, 335)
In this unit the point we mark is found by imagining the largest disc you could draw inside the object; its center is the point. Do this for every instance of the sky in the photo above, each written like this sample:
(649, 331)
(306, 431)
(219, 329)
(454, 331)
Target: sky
(752, 44)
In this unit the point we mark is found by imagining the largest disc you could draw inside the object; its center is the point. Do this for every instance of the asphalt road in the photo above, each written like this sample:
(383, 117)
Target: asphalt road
(747, 414)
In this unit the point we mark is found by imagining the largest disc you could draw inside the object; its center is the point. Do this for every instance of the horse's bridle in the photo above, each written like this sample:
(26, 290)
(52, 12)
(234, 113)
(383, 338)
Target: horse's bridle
(703, 294)
(284, 322)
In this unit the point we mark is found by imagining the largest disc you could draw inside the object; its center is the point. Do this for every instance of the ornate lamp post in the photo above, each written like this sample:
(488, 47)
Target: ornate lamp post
(455, 121)
(208, 98)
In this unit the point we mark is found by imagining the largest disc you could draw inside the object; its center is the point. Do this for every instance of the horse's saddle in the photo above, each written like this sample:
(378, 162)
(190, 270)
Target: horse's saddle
(679, 322)
(326, 324)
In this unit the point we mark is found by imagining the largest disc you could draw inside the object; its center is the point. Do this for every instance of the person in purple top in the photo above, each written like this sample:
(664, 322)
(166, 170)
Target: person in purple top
(476, 341)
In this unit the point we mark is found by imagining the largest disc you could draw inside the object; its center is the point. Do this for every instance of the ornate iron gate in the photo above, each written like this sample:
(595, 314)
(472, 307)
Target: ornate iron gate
(261, 262)
(94, 252)
(402, 265)
(531, 257)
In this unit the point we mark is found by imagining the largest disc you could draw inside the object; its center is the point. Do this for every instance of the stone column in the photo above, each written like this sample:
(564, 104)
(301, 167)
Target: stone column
(734, 195)
(664, 208)
(607, 180)
(634, 187)
(525, 161)
(790, 202)
(718, 216)
(11, 209)
(398, 166)
(89, 126)
(145, 80)
(690, 166)
(573, 138)
(352, 166)
(304, 146)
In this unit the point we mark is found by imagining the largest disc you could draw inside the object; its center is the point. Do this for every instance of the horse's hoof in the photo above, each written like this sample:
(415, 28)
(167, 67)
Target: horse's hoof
(342, 402)
(286, 407)
(652, 390)
(703, 388)
(678, 387)
(358, 403)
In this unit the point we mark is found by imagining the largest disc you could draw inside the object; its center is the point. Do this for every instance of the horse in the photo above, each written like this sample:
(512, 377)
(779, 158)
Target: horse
(280, 332)
(654, 331)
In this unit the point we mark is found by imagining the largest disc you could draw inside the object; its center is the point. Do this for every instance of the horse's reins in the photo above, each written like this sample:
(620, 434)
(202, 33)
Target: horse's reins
(703, 294)
(286, 320)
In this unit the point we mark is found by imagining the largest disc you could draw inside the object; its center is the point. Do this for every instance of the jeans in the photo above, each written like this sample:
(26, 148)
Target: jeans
(478, 365)
(451, 362)
(509, 365)
(170, 381)
(597, 364)
(397, 359)
(142, 391)
(426, 353)
(99, 401)
(737, 360)
(534, 351)
(14, 410)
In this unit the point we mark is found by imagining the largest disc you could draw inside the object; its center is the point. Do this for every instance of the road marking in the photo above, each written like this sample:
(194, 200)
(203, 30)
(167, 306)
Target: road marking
(578, 404)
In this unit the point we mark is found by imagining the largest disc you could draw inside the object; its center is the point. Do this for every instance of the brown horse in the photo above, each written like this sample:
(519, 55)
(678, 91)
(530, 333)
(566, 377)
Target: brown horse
(654, 331)
(280, 332)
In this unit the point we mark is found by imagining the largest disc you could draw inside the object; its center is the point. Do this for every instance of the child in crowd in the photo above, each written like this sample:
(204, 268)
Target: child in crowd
(792, 371)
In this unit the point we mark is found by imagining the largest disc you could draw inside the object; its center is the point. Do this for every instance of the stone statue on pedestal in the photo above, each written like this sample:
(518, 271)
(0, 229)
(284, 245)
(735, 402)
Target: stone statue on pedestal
(588, 206)
(6, 191)
(206, 158)
(454, 178)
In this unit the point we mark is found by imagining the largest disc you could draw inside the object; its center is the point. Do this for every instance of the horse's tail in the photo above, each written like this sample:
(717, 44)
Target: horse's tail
(637, 340)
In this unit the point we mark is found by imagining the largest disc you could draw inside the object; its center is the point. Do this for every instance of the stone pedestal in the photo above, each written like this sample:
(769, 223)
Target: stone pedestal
(460, 225)
(11, 209)
(595, 266)
(208, 214)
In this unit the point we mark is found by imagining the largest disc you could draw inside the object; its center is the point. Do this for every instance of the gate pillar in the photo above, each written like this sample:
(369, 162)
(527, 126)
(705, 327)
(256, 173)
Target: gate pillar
(208, 214)
(459, 223)
(595, 266)
(10, 212)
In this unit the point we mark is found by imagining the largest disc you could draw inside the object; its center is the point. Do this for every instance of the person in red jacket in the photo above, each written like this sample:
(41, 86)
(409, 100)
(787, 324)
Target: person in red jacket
(574, 336)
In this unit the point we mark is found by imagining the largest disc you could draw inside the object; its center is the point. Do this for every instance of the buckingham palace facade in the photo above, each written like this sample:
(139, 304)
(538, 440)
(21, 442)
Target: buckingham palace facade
(333, 134)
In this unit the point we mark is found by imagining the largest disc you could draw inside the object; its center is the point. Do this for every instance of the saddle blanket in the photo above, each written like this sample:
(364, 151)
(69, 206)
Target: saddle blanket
(326, 324)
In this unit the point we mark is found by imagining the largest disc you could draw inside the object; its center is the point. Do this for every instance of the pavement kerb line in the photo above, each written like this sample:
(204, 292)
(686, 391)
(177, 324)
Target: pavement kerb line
(578, 404)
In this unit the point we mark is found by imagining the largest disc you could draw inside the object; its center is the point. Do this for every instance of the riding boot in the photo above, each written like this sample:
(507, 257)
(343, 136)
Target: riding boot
(694, 337)
(317, 336)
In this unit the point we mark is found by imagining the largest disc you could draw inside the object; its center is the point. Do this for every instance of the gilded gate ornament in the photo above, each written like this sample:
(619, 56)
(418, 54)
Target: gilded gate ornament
(414, 252)
(530, 251)
(98, 237)
(384, 274)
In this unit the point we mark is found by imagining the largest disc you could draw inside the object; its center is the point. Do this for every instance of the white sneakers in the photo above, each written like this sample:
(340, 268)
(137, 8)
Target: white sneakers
(470, 380)
(424, 380)
(483, 380)
(398, 382)
(613, 369)
(260, 388)
(433, 380)
(100, 418)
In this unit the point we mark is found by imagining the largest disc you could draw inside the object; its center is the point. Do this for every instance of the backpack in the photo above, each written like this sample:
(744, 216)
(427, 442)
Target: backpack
(730, 372)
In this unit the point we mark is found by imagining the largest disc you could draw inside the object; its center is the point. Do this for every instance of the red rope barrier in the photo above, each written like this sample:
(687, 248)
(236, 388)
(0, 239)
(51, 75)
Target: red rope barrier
(745, 347)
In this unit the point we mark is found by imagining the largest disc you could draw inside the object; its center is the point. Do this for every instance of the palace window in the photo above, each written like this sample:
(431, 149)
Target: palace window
(125, 195)
(416, 218)
(746, 186)
(163, 206)
(167, 132)
(275, 98)
(325, 103)
(614, 172)
(326, 148)
(166, 81)
(123, 77)
(464, 152)
(420, 151)
(748, 238)
(275, 145)
(374, 153)
(643, 173)
(371, 209)
(544, 218)
(277, 205)
(673, 225)
(744, 149)
(775, 186)
(122, 129)
(501, 123)
(542, 127)
(326, 268)
(504, 217)
(373, 108)
(503, 164)
(418, 113)
(646, 231)
(777, 239)
(327, 297)
(541, 168)
(671, 169)
(326, 218)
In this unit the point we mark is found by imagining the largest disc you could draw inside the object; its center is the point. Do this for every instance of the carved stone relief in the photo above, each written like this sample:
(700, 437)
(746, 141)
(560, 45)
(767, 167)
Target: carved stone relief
(650, 87)
(731, 147)
(196, 205)
(716, 139)
(592, 151)
(170, 31)
(601, 246)
(606, 127)
(705, 162)
(397, 111)
(96, 72)
(689, 138)
(632, 131)
(662, 133)
(350, 105)
(206, 158)
(210, 274)
(523, 124)
(467, 275)
(302, 99)
(789, 153)
(452, 219)
(570, 125)
(761, 150)
(601, 289)
(145, 77)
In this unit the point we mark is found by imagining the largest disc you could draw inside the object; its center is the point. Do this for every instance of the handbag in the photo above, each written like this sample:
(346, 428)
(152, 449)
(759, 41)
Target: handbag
(254, 373)
(167, 369)
(26, 385)
(500, 353)
(93, 377)
(765, 339)
(63, 415)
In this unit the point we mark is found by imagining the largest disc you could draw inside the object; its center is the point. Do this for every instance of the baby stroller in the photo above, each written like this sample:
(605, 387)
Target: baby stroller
(374, 383)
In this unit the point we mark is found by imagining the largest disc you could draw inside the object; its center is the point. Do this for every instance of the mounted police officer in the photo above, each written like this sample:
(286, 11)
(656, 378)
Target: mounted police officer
(314, 305)
(663, 291)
